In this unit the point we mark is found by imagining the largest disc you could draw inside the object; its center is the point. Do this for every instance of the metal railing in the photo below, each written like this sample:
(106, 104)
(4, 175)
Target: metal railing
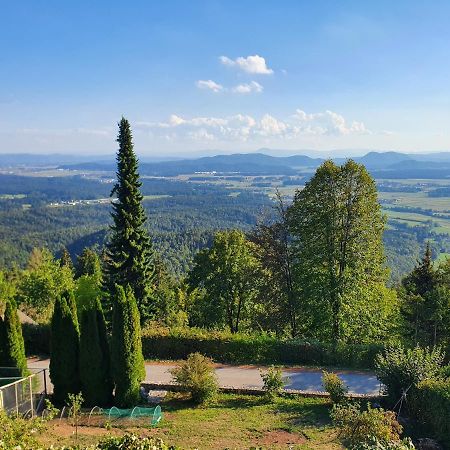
(22, 396)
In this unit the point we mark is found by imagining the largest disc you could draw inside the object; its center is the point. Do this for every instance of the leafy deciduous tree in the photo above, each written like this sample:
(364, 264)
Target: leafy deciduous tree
(228, 273)
(337, 227)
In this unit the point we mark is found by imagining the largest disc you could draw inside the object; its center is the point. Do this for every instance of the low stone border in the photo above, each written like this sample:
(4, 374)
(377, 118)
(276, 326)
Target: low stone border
(257, 391)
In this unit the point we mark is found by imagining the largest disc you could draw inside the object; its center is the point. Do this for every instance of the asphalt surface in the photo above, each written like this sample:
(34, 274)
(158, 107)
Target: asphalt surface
(299, 378)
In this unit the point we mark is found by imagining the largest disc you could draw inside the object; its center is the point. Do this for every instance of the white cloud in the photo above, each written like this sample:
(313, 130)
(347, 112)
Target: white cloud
(326, 123)
(248, 88)
(244, 128)
(251, 64)
(209, 85)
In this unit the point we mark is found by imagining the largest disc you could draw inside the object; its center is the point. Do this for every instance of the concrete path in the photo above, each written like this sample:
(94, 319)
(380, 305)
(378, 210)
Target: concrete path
(297, 378)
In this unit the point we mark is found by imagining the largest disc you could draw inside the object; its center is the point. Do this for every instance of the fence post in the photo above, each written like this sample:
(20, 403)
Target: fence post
(45, 382)
(17, 399)
(31, 395)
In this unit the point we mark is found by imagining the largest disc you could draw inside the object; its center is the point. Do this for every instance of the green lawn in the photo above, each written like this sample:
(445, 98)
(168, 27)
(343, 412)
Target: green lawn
(231, 421)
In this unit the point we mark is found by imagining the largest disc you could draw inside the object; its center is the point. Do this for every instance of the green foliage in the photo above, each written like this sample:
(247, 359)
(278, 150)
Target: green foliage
(429, 404)
(95, 377)
(363, 426)
(87, 290)
(337, 227)
(402, 369)
(273, 382)
(277, 307)
(129, 250)
(75, 401)
(88, 263)
(66, 260)
(51, 411)
(126, 348)
(12, 347)
(257, 348)
(37, 339)
(196, 375)
(376, 444)
(228, 273)
(42, 282)
(425, 303)
(132, 442)
(19, 433)
(64, 357)
(334, 386)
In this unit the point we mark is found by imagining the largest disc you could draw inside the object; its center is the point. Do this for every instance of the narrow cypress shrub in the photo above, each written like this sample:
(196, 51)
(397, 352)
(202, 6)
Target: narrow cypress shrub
(126, 348)
(94, 363)
(64, 352)
(12, 347)
(104, 347)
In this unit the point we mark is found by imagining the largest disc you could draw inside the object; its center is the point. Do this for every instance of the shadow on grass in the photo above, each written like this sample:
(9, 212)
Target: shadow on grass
(239, 401)
(304, 413)
(178, 401)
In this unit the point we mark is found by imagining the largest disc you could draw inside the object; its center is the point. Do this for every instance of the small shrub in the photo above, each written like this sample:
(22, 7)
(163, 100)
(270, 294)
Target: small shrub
(361, 427)
(273, 382)
(375, 444)
(196, 375)
(334, 386)
(75, 401)
(51, 411)
(19, 433)
(132, 442)
(445, 372)
(429, 405)
(399, 369)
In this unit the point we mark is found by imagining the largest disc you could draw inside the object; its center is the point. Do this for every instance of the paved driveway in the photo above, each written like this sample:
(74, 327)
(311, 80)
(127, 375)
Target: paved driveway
(249, 377)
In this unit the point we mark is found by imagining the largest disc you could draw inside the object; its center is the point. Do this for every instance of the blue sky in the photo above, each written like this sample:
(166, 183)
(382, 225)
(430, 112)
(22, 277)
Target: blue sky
(226, 75)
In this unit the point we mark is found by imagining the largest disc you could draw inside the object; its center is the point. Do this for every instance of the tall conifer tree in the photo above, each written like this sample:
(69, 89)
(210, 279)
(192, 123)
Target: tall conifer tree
(126, 349)
(64, 367)
(12, 348)
(66, 259)
(130, 251)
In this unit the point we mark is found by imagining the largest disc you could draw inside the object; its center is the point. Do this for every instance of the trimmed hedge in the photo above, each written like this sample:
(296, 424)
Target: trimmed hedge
(36, 338)
(224, 347)
(429, 404)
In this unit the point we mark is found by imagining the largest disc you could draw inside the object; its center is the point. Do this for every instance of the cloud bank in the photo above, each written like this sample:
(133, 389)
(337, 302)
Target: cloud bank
(244, 128)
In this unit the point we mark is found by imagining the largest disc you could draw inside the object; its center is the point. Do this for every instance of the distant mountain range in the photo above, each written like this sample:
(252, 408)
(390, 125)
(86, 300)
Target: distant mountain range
(381, 164)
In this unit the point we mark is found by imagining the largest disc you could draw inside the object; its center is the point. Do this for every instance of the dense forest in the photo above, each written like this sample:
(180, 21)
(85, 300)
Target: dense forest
(73, 212)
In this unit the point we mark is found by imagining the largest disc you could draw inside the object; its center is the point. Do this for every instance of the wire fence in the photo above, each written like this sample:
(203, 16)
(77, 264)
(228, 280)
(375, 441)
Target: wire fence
(22, 396)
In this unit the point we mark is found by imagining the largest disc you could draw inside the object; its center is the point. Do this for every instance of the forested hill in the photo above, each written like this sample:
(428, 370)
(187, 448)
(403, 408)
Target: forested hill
(55, 207)
(381, 165)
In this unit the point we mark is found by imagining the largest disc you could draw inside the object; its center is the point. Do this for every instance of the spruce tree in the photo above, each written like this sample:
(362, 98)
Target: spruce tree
(95, 379)
(66, 259)
(64, 355)
(88, 263)
(129, 250)
(126, 348)
(12, 348)
(421, 304)
(423, 279)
